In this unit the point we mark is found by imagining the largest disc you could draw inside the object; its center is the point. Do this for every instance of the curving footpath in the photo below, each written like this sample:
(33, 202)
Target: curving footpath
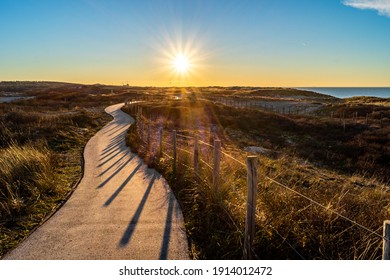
(120, 210)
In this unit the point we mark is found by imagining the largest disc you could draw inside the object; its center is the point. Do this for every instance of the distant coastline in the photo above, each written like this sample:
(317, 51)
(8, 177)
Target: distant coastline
(345, 92)
(7, 99)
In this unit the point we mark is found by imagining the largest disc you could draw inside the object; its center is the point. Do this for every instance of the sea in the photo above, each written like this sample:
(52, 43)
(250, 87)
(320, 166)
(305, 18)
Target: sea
(345, 92)
(6, 99)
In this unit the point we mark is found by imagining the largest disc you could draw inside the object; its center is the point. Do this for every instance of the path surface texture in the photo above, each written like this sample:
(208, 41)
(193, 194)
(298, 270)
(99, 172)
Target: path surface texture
(120, 210)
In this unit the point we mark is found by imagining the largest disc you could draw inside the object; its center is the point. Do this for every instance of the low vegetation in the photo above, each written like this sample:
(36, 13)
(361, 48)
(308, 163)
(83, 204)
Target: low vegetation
(344, 169)
(41, 147)
(346, 172)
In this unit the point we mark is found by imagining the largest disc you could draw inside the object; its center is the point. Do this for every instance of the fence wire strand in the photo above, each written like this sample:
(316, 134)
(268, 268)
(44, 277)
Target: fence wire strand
(184, 136)
(165, 154)
(168, 144)
(270, 179)
(205, 163)
(231, 157)
(205, 143)
(327, 209)
(185, 151)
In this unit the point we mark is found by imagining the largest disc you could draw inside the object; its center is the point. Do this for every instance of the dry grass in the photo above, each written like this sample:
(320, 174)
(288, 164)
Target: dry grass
(40, 157)
(288, 225)
(26, 175)
(29, 190)
(347, 172)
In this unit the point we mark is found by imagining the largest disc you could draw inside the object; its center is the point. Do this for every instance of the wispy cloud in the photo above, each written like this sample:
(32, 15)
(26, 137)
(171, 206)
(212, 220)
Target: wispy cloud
(382, 6)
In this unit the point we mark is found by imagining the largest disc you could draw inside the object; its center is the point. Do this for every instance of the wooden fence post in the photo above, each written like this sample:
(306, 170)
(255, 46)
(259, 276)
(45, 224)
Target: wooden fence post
(161, 141)
(174, 151)
(251, 165)
(196, 155)
(366, 118)
(213, 129)
(386, 242)
(217, 162)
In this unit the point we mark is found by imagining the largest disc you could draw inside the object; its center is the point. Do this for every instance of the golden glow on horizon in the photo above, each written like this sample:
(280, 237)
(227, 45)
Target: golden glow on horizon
(173, 60)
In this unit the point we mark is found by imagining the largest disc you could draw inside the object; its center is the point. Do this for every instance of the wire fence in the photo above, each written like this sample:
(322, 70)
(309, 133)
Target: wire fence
(343, 116)
(208, 161)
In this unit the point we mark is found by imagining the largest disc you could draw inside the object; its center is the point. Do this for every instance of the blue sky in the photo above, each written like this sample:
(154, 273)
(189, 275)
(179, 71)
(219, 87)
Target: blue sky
(259, 43)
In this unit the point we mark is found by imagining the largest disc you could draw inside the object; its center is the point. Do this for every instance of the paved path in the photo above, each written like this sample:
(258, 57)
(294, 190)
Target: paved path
(120, 210)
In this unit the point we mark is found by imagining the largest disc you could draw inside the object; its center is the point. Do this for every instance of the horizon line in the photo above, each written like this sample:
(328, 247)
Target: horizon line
(187, 86)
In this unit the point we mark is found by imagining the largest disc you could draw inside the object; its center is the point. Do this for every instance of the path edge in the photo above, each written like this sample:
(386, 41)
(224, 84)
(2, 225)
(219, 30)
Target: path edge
(62, 203)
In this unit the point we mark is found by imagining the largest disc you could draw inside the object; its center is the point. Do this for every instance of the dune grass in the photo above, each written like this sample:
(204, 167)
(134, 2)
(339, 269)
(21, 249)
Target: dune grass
(29, 191)
(41, 148)
(345, 171)
(25, 172)
(298, 154)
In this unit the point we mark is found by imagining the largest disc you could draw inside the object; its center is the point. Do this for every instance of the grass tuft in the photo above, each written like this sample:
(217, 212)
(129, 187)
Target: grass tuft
(26, 174)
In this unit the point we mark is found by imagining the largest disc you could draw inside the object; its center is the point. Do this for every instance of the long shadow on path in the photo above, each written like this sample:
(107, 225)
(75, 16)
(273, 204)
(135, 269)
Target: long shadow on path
(106, 155)
(167, 230)
(112, 156)
(112, 146)
(115, 173)
(115, 163)
(133, 223)
(115, 194)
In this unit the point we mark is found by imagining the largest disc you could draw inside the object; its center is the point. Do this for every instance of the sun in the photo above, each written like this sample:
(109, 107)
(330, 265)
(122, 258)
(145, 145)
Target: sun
(181, 63)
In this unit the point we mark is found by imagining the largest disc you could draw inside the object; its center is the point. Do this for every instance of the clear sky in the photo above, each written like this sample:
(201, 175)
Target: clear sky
(242, 42)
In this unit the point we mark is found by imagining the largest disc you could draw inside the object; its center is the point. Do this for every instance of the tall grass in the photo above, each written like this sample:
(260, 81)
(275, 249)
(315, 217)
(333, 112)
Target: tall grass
(41, 141)
(26, 175)
(288, 225)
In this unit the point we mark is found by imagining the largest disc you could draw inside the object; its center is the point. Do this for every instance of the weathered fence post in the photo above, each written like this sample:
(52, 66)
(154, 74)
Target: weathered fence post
(196, 155)
(251, 165)
(366, 118)
(386, 242)
(213, 132)
(174, 150)
(161, 141)
(217, 162)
